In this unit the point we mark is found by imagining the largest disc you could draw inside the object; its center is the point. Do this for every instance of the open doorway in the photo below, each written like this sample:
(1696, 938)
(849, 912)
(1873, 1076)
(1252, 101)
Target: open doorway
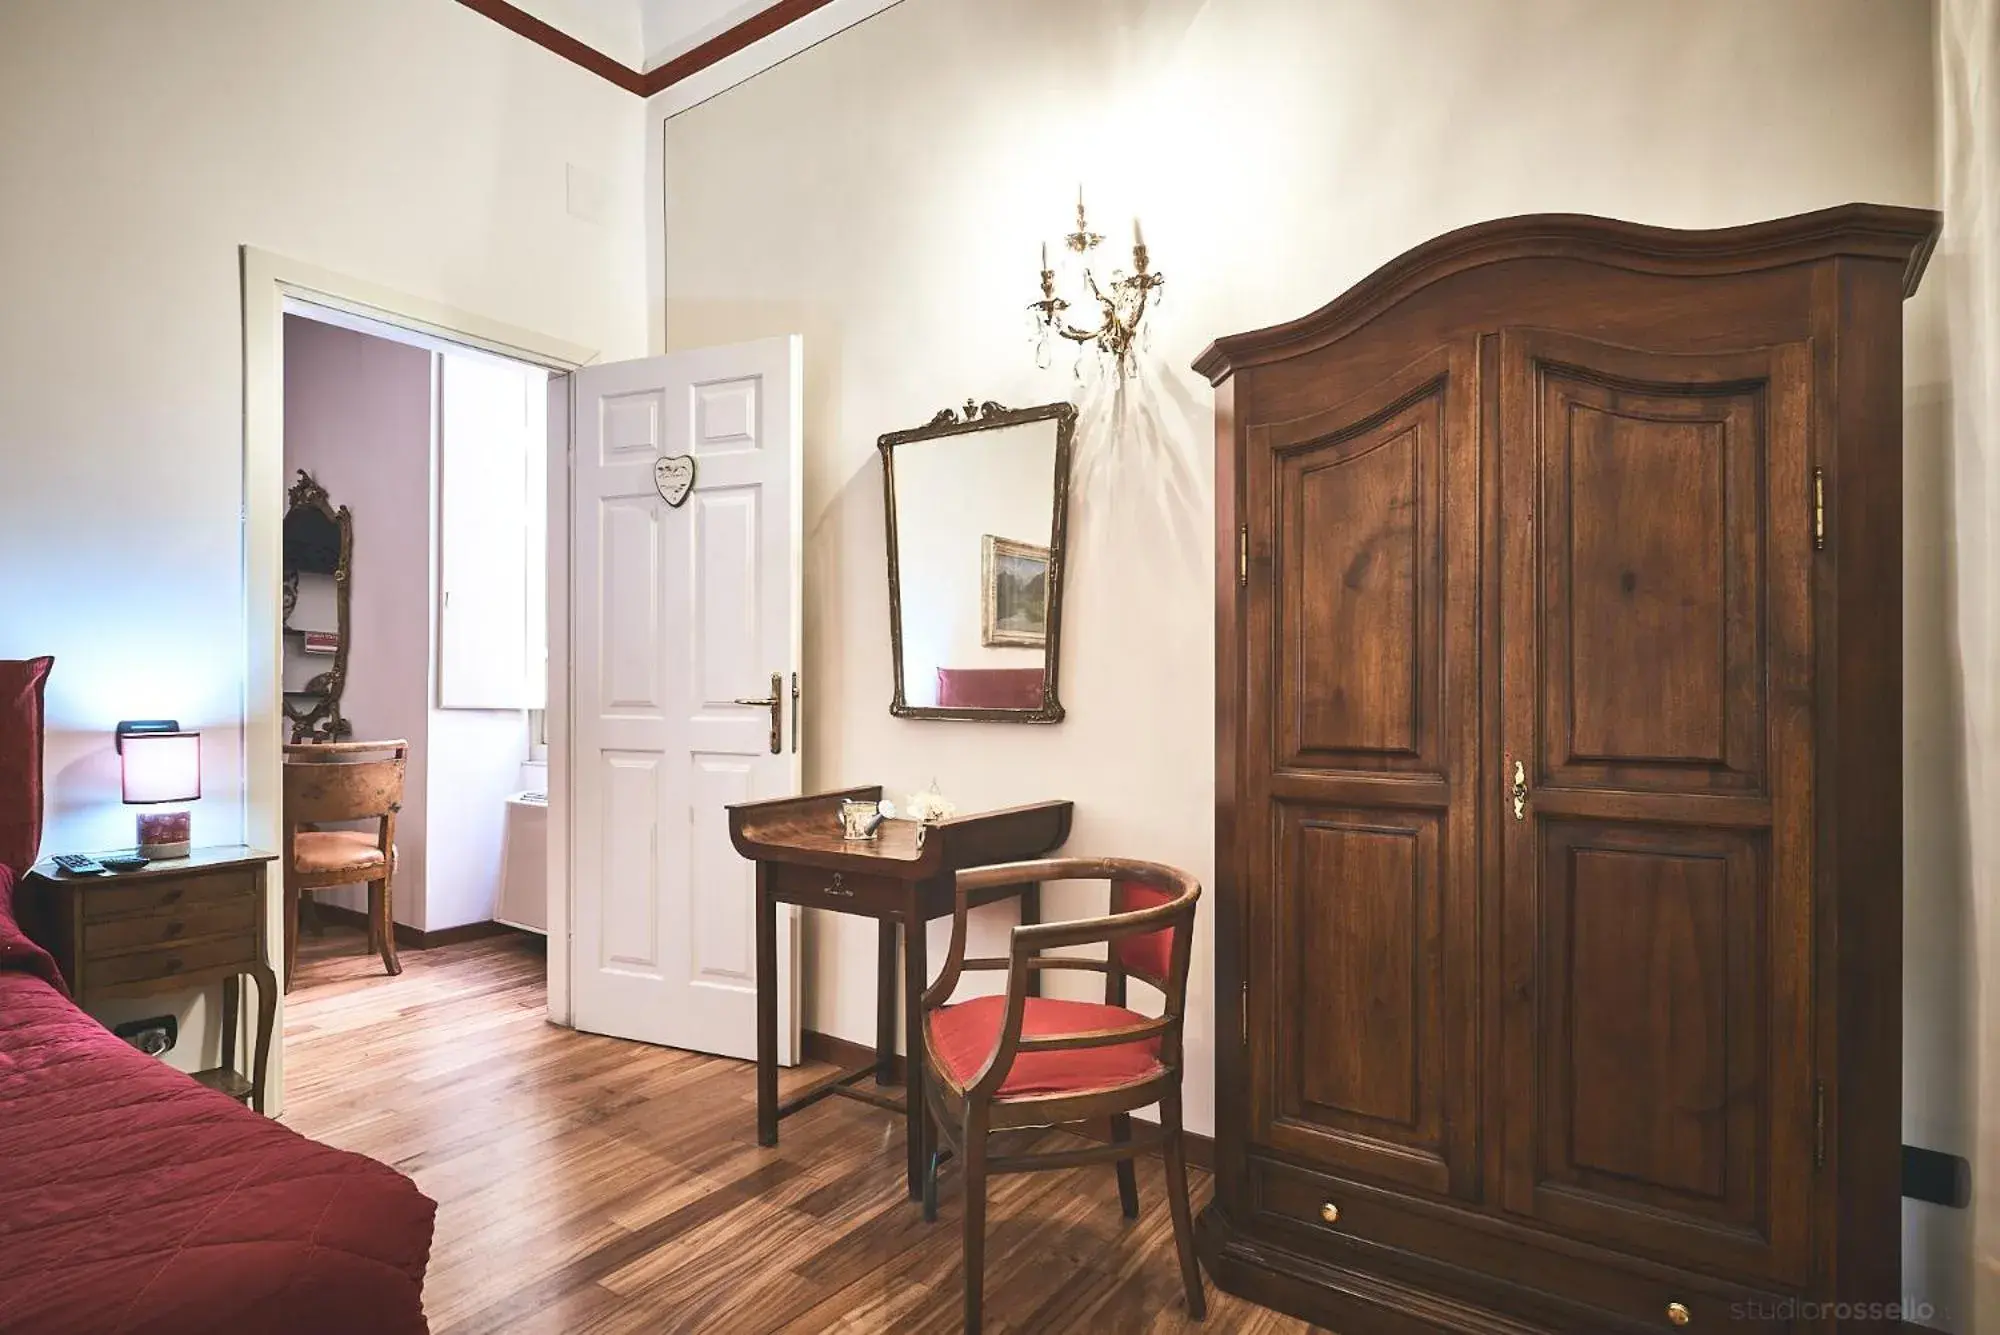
(414, 646)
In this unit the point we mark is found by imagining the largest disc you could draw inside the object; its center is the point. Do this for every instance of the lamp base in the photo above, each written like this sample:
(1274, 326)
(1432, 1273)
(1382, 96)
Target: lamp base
(163, 835)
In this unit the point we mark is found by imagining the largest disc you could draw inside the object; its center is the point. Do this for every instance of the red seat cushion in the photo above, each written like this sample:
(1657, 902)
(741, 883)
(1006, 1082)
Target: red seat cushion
(964, 1036)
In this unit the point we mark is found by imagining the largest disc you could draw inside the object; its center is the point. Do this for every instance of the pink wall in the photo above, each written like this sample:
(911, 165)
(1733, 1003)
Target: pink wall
(358, 418)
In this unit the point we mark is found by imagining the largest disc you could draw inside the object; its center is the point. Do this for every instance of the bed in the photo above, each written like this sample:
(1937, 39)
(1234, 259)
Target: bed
(133, 1200)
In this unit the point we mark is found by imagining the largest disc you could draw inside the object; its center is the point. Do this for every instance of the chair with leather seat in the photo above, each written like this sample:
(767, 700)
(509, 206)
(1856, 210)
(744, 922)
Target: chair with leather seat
(997, 1062)
(330, 783)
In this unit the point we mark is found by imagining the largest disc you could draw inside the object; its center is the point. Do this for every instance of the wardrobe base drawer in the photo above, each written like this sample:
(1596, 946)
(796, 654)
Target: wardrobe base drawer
(1496, 1262)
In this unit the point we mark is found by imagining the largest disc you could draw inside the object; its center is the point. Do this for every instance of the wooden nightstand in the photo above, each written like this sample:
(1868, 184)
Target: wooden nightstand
(174, 926)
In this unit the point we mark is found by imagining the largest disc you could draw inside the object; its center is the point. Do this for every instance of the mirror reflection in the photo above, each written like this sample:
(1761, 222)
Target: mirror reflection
(318, 547)
(976, 512)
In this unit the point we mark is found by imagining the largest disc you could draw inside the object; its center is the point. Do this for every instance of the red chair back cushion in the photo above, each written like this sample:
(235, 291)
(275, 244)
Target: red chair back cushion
(21, 760)
(1149, 956)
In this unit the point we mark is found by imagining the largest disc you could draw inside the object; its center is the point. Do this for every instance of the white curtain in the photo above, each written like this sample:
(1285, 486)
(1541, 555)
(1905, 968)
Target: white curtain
(1968, 265)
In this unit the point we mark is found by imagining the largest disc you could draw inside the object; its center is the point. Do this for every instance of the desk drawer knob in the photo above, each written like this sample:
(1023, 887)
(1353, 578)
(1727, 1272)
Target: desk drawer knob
(1678, 1314)
(835, 887)
(1330, 1212)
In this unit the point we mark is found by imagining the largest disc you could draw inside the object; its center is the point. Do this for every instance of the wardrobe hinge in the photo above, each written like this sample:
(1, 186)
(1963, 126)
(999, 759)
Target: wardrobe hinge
(1242, 555)
(1819, 1124)
(1819, 509)
(1243, 1013)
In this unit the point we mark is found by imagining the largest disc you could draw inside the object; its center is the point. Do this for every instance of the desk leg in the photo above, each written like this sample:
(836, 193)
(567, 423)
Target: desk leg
(916, 1125)
(232, 1001)
(267, 1017)
(768, 983)
(1031, 913)
(885, 1001)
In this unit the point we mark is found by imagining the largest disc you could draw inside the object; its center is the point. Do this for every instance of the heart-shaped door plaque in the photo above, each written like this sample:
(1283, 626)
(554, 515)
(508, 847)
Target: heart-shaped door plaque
(674, 476)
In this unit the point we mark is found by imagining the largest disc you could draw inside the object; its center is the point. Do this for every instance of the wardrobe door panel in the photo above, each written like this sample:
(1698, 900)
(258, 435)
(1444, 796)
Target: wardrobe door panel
(1362, 722)
(1656, 895)
(1359, 1063)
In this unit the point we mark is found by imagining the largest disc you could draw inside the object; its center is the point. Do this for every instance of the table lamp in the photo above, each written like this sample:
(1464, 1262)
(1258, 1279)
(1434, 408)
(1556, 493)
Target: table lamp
(161, 764)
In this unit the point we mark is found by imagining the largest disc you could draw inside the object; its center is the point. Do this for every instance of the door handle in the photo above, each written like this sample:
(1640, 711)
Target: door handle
(1519, 791)
(775, 702)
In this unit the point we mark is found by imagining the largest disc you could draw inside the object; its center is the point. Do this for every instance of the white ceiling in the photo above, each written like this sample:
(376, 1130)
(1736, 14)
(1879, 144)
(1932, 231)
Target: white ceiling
(643, 33)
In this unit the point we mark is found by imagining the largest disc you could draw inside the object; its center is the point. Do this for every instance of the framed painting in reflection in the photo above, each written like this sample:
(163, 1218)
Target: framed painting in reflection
(1014, 607)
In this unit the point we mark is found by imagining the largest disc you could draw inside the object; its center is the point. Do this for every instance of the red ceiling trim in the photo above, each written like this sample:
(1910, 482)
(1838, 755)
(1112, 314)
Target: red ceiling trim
(554, 39)
(686, 65)
(727, 43)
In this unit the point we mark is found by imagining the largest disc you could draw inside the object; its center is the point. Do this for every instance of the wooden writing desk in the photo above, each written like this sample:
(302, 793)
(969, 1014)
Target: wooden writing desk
(901, 877)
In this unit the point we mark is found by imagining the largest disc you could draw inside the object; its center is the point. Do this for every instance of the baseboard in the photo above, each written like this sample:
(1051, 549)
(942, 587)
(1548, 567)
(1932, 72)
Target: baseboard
(841, 1052)
(408, 937)
(847, 1054)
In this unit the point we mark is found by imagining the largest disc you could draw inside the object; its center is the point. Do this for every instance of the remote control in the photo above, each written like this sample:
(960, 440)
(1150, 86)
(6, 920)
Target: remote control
(79, 864)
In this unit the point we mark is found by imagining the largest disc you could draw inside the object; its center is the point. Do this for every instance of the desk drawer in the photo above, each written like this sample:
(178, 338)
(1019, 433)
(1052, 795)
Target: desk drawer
(144, 966)
(115, 901)
(843, 892)
(235, 916)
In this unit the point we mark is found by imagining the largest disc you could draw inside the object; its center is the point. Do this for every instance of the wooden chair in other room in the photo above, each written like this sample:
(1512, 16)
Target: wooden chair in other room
(330, 782)
(993, 1063)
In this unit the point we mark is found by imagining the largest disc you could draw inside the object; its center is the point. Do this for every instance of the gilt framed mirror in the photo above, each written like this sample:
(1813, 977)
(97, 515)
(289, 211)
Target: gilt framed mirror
(318, 562)
(977, 507)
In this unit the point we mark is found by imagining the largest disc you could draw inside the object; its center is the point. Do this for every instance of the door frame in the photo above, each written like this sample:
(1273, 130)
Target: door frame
(272, 284)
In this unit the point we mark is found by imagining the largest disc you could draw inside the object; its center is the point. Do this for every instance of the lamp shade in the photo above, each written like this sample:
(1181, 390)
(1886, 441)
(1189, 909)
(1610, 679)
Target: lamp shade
(161, 766)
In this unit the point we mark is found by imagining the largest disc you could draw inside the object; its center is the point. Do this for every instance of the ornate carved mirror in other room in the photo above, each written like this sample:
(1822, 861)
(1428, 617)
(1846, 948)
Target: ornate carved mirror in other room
(977, 506)
(319, 551)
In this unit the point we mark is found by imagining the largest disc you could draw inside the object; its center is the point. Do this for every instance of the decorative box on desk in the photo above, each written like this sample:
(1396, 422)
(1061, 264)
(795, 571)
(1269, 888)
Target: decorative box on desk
(901, 876)
(173, 926)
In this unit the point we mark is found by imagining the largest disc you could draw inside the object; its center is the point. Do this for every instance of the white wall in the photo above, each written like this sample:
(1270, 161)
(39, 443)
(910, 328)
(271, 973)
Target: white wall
(411, 143)
(883, 193)
(1965, 945)
(358, 417)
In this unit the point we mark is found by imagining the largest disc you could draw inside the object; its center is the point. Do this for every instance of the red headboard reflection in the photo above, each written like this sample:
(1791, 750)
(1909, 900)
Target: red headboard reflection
(990, 688)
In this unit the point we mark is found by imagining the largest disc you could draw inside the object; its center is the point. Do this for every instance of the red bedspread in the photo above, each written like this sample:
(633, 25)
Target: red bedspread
(134, 1200)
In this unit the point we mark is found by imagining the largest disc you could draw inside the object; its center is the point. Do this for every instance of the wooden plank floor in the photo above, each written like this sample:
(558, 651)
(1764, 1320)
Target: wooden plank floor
(590, 1185)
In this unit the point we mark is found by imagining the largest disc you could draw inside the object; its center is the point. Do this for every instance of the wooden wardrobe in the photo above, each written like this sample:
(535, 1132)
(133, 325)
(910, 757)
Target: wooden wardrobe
(1559, 796)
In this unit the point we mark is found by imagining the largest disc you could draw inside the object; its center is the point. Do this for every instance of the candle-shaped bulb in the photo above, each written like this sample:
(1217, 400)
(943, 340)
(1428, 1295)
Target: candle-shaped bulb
(1045, 257)
(1138, 237)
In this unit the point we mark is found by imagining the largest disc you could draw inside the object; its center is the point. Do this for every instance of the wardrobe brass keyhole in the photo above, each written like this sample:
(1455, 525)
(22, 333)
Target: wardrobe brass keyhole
(1330, 1212)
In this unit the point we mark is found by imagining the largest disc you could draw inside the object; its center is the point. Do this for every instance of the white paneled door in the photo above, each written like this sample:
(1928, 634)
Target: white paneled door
(685, 624)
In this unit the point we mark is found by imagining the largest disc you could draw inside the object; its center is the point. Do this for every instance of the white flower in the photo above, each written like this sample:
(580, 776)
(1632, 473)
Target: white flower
(931, 806)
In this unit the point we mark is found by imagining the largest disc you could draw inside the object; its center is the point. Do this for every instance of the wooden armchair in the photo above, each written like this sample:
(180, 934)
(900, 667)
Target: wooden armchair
(328, 782)
(991, 1063)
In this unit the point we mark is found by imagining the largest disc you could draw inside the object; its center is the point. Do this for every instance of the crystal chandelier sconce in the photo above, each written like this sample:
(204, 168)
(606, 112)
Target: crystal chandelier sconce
(1120, 298)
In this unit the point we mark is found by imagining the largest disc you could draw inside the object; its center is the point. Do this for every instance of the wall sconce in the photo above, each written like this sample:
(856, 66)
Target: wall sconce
(159, 764)
(1121, 299)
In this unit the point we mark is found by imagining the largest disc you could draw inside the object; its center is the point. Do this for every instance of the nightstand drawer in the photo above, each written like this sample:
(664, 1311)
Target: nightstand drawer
(161, 965)
(234, 916)
(151, 896)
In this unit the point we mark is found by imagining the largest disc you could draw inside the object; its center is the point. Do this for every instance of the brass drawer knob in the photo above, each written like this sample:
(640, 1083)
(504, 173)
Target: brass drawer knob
(1678, 1314)
(1330, 1212)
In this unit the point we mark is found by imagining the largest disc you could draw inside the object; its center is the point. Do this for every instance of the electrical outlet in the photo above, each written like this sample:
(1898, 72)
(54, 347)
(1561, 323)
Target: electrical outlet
(155, 1035)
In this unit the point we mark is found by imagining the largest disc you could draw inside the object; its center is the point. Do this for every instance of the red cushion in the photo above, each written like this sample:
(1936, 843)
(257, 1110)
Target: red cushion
(964, 1036)
(1150, 955)
(990, 688)
(21, 760)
